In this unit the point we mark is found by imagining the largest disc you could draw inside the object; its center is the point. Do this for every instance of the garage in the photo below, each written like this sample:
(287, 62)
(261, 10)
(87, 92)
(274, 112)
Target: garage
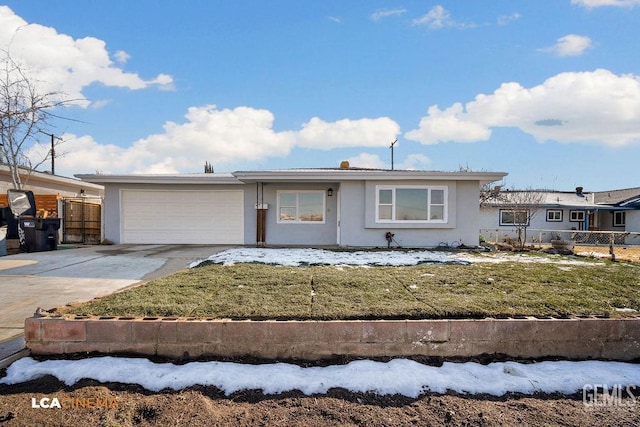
(182, 217)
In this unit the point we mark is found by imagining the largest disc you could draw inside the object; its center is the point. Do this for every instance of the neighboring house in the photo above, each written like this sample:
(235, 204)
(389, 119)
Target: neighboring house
(47, 184)
(311, 207)
(625, 209)
(60, 197)
(560, 210)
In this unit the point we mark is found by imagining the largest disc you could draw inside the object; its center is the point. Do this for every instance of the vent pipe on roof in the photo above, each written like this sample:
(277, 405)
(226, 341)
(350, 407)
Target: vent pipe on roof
(579, 191)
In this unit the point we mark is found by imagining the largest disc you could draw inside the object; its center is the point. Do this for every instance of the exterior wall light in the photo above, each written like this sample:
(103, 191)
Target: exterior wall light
(330, 192)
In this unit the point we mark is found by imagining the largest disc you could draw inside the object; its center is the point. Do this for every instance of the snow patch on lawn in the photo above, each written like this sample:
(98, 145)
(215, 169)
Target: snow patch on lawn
(398, 376)
(525, 258)
(295, 257)
(308, 257)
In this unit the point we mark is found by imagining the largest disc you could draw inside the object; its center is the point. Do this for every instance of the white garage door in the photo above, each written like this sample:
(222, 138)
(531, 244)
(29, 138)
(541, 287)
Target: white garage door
(188, 217)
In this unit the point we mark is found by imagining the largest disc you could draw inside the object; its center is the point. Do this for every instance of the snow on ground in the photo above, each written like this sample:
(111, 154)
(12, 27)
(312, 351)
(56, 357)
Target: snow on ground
(398, 376)
(303, 257)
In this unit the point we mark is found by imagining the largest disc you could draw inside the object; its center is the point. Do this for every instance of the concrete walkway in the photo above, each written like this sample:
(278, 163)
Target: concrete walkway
(53, 279)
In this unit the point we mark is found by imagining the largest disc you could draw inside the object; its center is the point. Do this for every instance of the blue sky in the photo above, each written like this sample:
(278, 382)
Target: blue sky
(548, 91)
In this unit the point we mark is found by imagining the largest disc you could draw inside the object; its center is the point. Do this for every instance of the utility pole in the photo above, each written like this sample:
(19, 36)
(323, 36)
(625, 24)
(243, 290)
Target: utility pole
(53, 151)
(392, 144)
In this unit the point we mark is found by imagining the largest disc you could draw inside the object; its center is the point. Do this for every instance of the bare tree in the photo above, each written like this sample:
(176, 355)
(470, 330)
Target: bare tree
(24, 112)
(517, 207)
(524, 206)
(490, 195)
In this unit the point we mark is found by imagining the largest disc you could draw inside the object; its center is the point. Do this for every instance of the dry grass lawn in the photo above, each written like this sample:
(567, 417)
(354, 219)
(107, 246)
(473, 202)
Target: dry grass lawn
(252, 291)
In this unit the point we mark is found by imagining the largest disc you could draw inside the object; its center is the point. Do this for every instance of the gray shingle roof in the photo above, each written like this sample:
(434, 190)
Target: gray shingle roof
(615, 197)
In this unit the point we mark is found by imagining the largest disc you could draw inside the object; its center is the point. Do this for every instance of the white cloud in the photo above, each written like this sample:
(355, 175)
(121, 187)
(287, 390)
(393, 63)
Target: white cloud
(590, 4)
(122, 56)
(100, 103)
(596, 106)
(317, 133)
(415, 161)
(570, 45)
(163, 82)
(64, 64)
(218, 136)
(506, 19)
(451, 124)
(385, 13)
(438, 18)
(221, 137)
(335, 19)
(83, 154)
(367, 160)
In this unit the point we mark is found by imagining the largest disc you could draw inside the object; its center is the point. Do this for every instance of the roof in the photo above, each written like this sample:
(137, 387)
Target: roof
(624, 197)
(36, 178)
(196, 178)
(358, 174)
(604, 200)
(550, 199)
(298, 175)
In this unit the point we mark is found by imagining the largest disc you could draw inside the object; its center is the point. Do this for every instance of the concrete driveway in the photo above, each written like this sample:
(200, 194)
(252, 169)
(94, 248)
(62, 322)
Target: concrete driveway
(53, 279)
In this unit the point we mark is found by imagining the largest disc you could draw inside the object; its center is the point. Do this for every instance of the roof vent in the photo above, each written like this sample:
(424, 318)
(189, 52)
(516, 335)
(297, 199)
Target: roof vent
(344, 164)
(579, 191)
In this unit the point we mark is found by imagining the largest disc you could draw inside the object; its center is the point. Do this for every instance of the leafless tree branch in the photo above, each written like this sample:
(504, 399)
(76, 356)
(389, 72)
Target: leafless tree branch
(24, 112)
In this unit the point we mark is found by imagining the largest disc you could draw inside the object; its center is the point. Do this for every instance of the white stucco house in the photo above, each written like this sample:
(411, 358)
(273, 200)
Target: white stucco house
(348, 207)
(546, 211)
(60, 197)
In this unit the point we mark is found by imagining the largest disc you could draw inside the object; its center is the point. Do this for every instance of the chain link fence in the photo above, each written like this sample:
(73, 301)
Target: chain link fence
(614, 245)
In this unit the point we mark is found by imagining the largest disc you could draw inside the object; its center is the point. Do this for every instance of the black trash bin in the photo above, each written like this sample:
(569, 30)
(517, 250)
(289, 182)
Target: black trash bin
(35, 234)
(40, 234)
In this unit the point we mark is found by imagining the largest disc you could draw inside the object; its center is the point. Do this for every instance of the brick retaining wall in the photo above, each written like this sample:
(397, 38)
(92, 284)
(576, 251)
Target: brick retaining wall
(575, 338)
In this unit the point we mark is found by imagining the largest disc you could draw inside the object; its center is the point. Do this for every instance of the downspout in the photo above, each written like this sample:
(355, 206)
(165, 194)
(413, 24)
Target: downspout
(586, 220)
(261, 215)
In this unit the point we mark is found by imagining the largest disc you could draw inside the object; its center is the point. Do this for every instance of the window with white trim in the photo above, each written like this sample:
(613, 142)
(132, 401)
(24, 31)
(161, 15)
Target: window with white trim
(301, 206)
(576, 216)
(411, 204)
(619, 219)
(514, 217)
(554, 215)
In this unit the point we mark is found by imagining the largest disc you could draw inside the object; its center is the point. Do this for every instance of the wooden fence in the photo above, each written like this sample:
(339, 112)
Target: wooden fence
(47, 202)
(81, 221)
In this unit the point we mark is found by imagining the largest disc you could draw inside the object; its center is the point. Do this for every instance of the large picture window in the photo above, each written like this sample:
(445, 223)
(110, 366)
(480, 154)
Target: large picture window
(301, 206)
(514, 217)
(411, 204)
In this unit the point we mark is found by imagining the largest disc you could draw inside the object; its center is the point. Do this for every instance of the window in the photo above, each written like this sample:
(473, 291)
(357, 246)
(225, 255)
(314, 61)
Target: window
(619, 219)
(411, 204)
(576, 216)
(514, 217)
(301, 206)
(554, 215)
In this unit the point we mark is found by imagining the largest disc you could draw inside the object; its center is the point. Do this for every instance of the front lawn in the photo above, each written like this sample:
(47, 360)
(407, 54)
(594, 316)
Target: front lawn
(252, 291)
